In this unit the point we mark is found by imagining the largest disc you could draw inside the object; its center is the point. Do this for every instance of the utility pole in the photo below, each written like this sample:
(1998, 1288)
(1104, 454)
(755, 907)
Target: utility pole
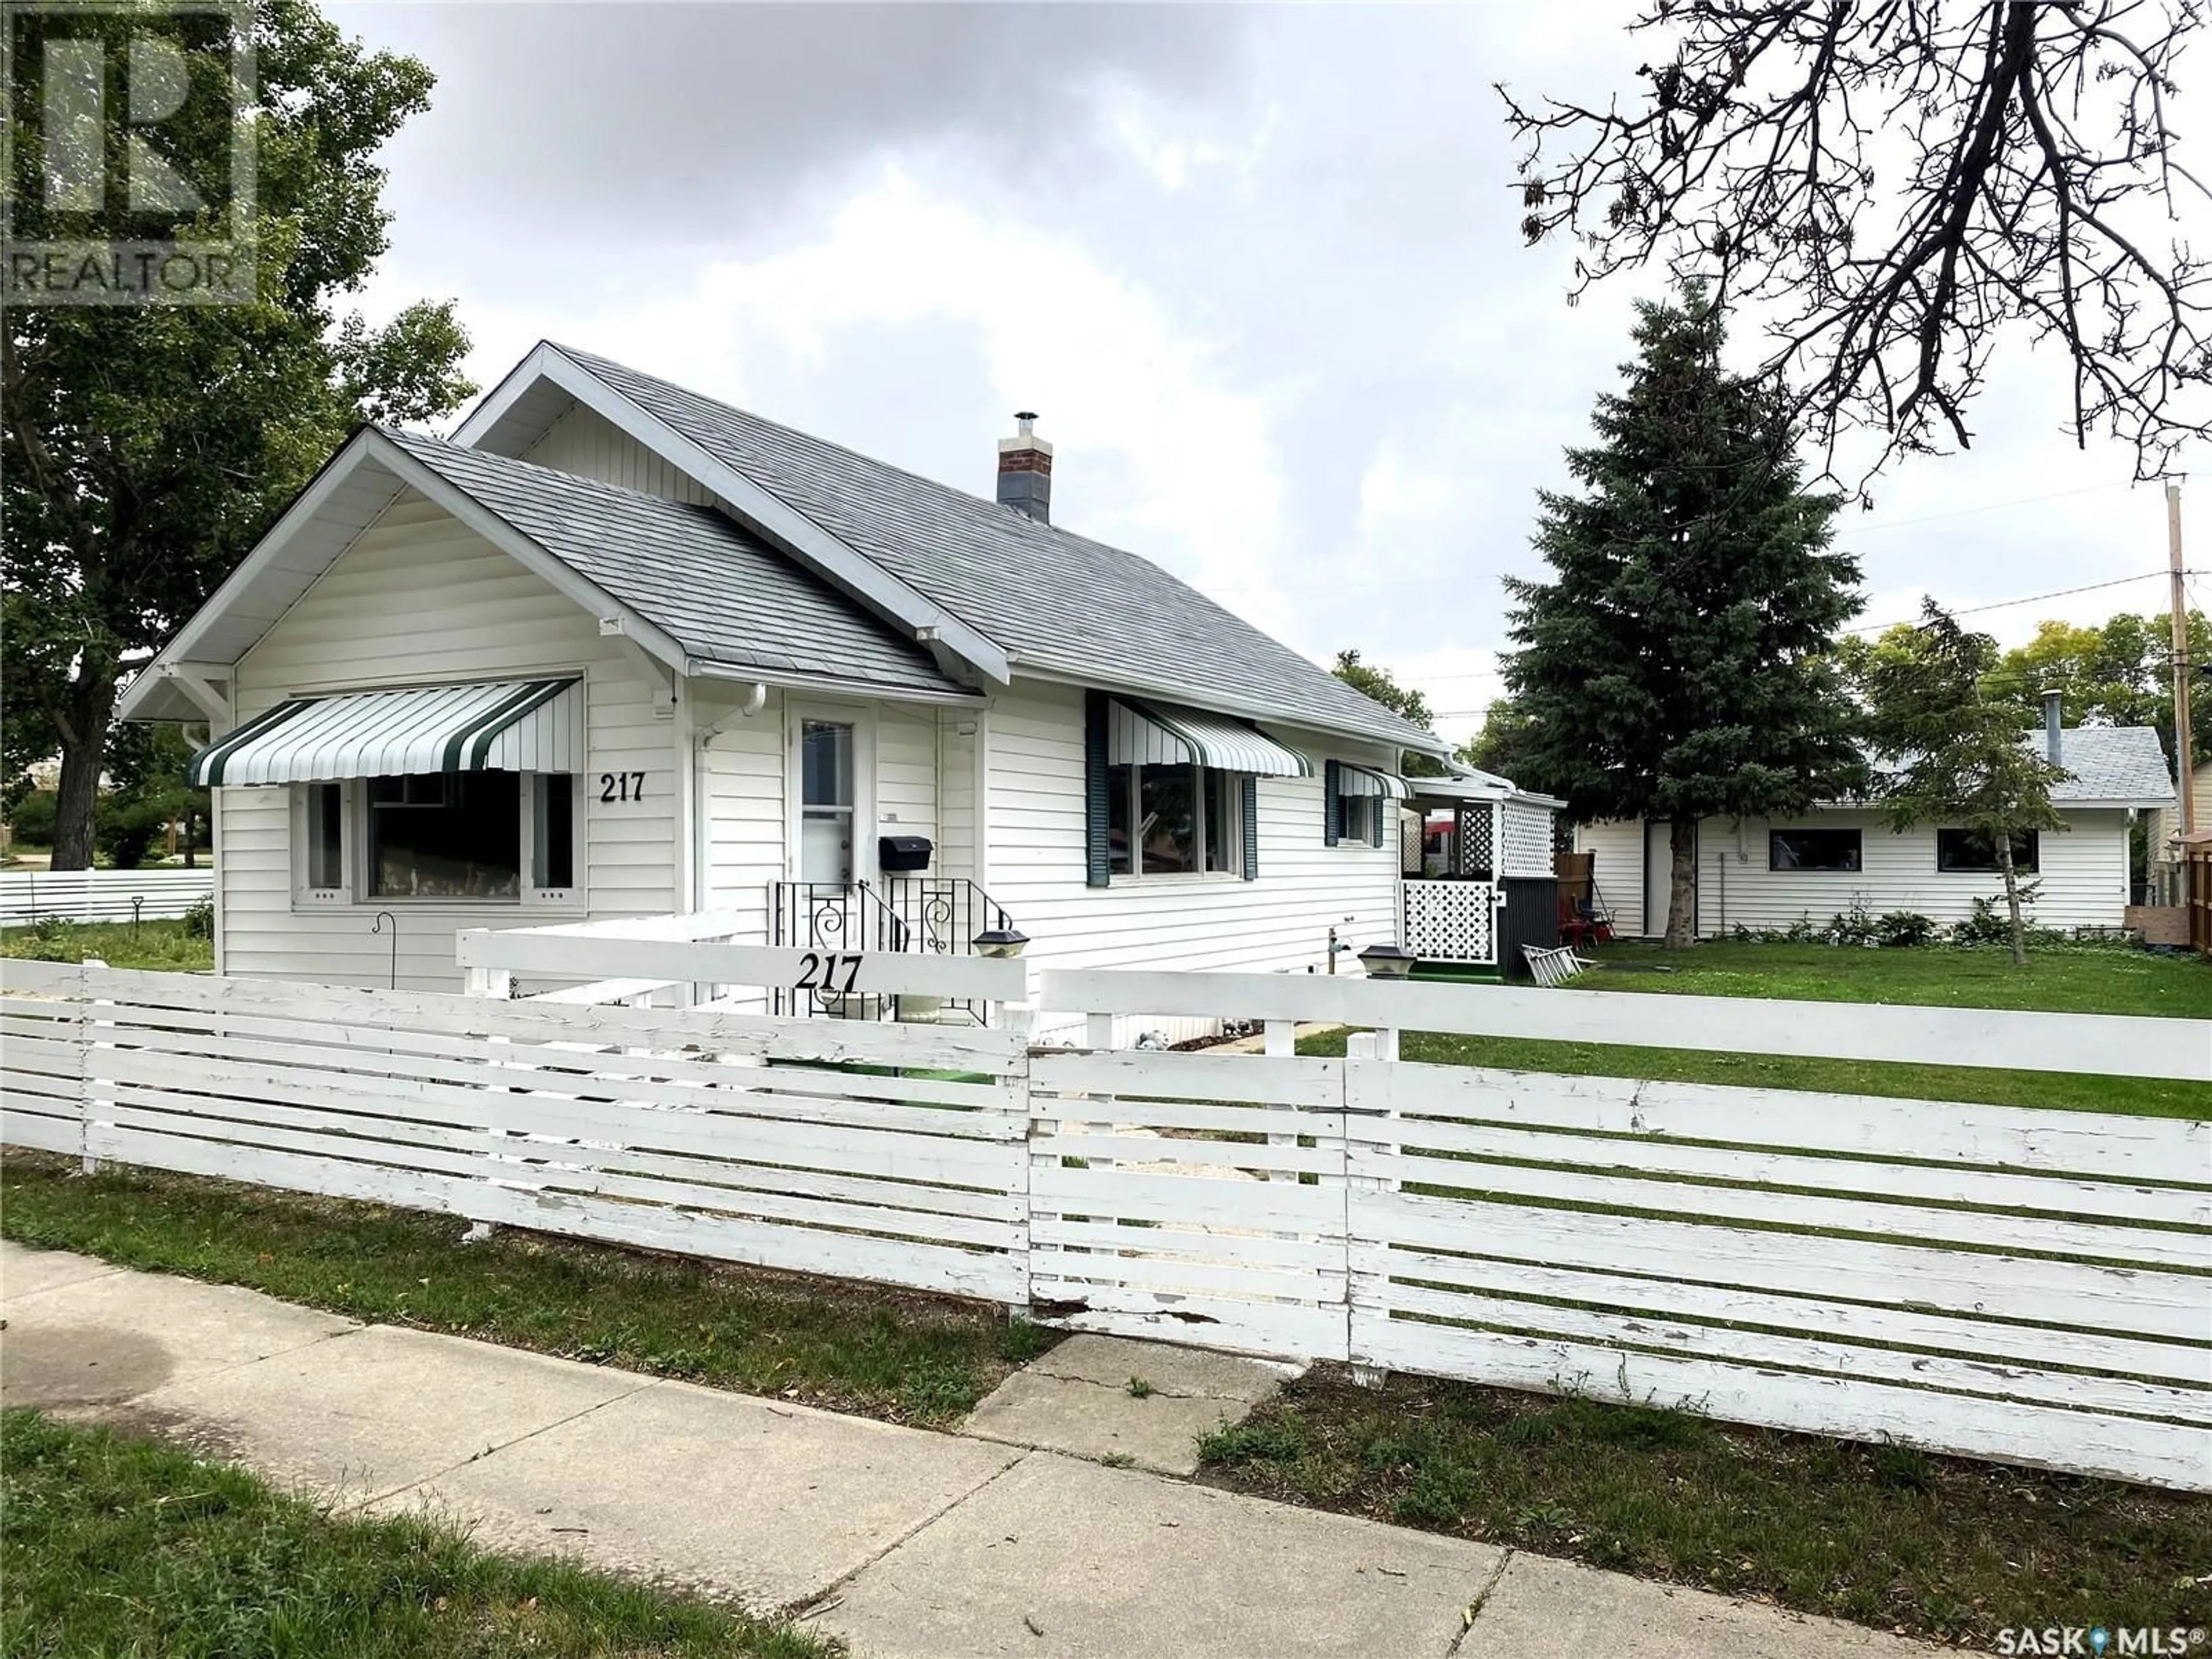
(2181, 664)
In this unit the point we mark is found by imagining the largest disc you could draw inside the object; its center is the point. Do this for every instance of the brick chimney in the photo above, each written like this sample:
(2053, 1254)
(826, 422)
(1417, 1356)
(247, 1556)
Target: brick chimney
(1025, 469)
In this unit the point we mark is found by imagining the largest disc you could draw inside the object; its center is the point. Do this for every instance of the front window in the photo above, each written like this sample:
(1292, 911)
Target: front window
(445, 835)
(1164, 820)
(1971, 850)
(1813, 849)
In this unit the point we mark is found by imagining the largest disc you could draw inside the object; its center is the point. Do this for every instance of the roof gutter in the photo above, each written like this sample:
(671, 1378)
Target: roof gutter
(739, 673)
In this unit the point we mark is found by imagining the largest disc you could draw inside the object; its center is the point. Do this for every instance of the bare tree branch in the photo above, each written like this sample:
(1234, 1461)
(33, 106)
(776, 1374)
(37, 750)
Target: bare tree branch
(1894, 186)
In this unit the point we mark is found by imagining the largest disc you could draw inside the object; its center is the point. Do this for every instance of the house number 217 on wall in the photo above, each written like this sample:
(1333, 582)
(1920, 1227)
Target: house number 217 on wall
(621, 786)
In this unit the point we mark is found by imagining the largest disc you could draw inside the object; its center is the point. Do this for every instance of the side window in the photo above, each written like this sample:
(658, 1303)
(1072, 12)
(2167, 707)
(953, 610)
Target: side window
(320, 865)
(553, 834)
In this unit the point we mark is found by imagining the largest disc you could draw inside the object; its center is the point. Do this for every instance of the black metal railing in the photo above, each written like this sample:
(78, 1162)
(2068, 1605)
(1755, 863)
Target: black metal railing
(935, 914)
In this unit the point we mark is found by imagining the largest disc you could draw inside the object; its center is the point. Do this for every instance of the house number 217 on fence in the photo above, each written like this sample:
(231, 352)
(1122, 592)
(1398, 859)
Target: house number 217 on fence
(833, 973)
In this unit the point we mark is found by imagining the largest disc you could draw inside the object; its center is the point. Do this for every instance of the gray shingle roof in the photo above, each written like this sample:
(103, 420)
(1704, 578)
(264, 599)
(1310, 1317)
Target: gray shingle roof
(720, 592)
(1061, 602)
(2110, 763)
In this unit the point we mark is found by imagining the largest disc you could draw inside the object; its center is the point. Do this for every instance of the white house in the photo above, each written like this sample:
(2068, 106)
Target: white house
(1760, 873)
(616, 649)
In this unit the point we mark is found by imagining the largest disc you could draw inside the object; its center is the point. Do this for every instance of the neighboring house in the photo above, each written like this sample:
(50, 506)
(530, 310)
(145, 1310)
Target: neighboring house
(1760, 874)
(616, 649)
(2166, 825)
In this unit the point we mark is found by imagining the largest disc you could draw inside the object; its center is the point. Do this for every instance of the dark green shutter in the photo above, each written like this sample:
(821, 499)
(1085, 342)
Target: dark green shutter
(1249, 809)
(1096, 838)
(1332, 813)
(1378, 808)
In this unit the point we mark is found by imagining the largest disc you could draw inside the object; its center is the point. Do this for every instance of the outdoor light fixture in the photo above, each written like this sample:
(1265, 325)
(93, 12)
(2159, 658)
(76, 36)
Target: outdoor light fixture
(1000, 941)
(1388, 961)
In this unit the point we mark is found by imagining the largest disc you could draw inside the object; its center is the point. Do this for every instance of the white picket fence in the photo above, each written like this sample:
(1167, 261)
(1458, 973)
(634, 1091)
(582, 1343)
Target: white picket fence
(2026, 1285)
(101, 894)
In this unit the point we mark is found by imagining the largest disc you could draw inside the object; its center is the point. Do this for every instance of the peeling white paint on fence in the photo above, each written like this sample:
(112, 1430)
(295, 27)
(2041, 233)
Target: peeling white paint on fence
(2020, 1284)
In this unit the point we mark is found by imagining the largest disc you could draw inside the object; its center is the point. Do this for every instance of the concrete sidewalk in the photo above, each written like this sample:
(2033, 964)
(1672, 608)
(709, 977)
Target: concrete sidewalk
(911, 1545)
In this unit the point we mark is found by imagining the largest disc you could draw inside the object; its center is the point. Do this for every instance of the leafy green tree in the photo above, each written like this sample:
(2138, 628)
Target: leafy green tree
(1678, 663)
(144, 448)
(1955, 753)
(2118, 673)
(1500, 747)
(148, 793)
(1377, 684)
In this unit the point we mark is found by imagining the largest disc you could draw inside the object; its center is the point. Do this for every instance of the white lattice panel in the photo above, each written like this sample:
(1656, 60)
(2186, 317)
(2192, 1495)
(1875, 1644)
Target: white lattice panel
(1476, 839)
(1525, 847)
(1451, 921)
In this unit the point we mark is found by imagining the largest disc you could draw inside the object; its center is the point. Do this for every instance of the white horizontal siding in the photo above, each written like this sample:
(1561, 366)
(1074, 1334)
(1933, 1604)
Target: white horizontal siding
(746, 815)
(419, 598)
(2082, 883)
(1617, 867)
(906, 774)
(959, 739)
(587, 444)
(1278, 922)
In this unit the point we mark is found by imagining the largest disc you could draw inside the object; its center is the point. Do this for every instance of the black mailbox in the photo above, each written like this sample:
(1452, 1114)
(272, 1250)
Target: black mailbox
(898, 854)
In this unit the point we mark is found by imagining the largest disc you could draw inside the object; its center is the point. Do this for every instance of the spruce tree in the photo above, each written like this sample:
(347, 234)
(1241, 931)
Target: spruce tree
(1676, 665)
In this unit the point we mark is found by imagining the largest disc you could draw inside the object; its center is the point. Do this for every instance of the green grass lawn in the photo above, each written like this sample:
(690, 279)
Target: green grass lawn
(2102, 981)
(110, 1544)
(1883, 1535)
(2081, 981)
(851, 1347)
(165, 946)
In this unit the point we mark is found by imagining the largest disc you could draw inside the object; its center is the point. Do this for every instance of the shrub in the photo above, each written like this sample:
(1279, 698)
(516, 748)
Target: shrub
(199, 918)
(1989, 924)
(1902, 929)
(33, 819)
(1856, 926)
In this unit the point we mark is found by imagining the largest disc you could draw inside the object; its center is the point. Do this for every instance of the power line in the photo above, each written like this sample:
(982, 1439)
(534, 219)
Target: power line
(1991, 507)
(2007, 604)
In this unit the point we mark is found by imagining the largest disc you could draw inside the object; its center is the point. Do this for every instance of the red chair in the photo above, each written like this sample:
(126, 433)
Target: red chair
(1574, 928)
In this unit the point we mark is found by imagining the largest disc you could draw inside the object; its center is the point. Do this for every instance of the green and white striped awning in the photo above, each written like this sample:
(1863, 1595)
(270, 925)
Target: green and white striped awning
(1162, 734)
(503, 726)
(1352, 780)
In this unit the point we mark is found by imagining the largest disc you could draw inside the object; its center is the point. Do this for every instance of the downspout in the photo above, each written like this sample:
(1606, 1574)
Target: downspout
(687, 801)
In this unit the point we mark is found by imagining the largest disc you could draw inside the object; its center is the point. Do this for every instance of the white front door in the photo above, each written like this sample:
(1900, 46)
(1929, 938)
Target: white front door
(826, 816)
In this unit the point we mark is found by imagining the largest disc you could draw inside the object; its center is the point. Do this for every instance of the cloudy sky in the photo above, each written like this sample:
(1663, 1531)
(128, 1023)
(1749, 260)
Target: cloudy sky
(1257, 268)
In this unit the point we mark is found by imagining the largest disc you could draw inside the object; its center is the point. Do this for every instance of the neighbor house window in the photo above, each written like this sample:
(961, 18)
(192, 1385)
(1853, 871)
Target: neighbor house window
(1969, 851)
(1165, 820)
(1813, 849)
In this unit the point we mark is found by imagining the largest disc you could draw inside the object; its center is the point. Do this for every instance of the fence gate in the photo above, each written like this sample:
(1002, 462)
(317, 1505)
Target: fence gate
(1165, 1201)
